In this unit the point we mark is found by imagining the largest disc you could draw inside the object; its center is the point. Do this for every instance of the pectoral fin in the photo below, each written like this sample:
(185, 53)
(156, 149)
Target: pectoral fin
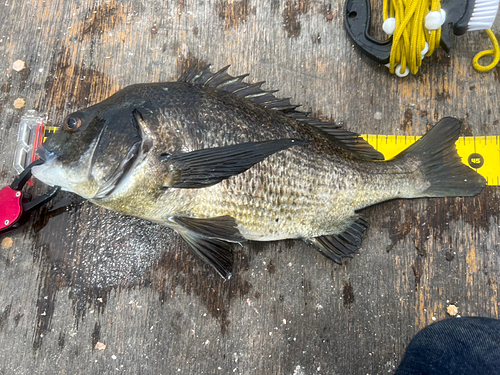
(207, 167)
(210, 239)
(338, 246)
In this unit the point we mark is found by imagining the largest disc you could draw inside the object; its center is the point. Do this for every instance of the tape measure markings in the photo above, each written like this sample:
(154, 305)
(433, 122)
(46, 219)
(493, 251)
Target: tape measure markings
(49, 129)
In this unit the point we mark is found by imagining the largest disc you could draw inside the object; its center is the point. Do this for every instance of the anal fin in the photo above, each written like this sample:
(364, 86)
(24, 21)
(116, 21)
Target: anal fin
(338, 246)
(210, 239)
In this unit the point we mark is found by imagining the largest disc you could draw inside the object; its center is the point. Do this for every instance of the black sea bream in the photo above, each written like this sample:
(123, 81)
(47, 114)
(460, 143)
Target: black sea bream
(222, 161)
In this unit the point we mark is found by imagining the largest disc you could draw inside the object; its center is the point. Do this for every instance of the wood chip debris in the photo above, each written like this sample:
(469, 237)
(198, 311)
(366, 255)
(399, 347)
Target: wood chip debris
(7, 243)
(19, 103)
(452, 310)
(100, 346)
(18, 65)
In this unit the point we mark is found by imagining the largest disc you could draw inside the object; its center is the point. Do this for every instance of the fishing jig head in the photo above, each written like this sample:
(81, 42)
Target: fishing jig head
(357, 19)
(16, 206)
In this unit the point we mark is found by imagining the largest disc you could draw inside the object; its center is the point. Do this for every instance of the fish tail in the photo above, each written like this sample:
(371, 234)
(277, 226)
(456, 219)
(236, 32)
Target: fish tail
(441, 164)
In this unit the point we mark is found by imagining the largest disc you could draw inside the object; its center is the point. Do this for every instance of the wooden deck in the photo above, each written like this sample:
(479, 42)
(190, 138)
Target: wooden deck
(77, 275)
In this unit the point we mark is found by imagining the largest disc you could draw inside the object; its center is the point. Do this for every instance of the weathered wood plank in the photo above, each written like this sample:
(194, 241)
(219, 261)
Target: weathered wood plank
(79, 275)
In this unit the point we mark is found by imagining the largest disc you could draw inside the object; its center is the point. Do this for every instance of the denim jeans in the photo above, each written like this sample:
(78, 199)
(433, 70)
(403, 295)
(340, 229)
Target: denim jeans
(457, 346)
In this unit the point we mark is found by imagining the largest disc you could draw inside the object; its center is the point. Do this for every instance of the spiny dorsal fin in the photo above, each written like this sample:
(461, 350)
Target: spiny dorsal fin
(223, 81)
(252, 91)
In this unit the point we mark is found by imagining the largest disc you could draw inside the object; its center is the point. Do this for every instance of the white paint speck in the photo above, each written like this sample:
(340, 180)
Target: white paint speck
(298, 371)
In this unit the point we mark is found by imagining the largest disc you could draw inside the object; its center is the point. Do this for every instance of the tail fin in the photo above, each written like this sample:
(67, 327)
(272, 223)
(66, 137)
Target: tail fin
(442, 166)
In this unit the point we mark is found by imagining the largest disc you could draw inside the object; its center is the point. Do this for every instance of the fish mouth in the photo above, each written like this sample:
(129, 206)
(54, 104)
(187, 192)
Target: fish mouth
(121, 172)
(45, 172)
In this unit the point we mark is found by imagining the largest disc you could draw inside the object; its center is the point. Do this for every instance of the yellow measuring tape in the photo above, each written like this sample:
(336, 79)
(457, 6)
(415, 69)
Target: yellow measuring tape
(480, 153)
(48, 130)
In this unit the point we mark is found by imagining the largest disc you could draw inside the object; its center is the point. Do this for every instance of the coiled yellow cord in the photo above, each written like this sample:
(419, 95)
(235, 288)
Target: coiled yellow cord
(410, 35)
(495, 52)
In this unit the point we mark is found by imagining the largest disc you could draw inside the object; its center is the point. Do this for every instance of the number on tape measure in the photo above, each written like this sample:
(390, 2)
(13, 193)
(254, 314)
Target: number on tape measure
(476, 160)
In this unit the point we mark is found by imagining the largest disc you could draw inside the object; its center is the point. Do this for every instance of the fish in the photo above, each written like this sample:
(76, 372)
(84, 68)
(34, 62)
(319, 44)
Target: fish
(222, 161)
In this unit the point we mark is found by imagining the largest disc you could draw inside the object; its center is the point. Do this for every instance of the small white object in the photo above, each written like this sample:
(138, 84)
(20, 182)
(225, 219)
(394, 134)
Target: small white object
(398, 71)
(425, 50)
(433, 20)
(19, 65)
(389, 26)
(443, 14)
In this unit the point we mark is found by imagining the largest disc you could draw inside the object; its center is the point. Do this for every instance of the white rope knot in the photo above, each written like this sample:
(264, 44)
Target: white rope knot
(425, 50)
(404, 74)
(389, 26)
(434, 20)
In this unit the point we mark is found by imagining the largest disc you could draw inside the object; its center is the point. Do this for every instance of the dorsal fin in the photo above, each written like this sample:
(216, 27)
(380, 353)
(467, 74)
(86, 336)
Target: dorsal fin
(252, 91)
(223, 81)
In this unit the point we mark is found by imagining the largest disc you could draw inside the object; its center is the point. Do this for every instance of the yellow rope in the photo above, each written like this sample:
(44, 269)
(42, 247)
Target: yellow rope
(410, 35)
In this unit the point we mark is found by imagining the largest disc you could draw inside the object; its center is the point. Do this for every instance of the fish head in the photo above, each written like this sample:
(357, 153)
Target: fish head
(94, 150)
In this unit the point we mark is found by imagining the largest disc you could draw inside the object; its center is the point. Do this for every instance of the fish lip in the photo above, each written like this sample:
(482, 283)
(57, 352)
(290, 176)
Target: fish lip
(49, 159)
(121, 173)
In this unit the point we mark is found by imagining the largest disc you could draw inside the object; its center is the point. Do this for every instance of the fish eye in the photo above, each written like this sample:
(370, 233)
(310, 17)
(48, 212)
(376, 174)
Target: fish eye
(73, 123)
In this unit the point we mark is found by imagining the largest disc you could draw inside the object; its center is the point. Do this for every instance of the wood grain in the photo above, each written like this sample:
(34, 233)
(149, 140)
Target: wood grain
(77, 275)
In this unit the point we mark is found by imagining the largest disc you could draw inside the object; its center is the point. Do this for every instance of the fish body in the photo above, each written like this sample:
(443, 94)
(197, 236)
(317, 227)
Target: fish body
(222, 161)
